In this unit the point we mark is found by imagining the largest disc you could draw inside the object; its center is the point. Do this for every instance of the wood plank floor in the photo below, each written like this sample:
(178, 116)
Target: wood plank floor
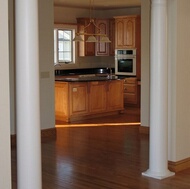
(106, 157)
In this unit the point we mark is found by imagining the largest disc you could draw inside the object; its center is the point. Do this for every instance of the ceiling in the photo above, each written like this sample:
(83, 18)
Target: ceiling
(98, 4)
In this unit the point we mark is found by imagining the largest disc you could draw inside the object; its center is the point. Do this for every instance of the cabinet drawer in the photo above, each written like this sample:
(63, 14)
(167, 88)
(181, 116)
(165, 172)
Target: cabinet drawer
(130, 80)
(129, 88)
(130, 99)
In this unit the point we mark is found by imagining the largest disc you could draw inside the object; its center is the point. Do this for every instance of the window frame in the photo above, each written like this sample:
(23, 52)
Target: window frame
(72, 27)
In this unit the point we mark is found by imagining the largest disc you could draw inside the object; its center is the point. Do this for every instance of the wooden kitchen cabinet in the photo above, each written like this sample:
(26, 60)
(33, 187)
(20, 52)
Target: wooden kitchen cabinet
(61, 101)
(112, 36)
(106, 96)
(71, 99)
(97, 96)
(85, 49)
(130, 91)
(127, 31)
(128, 36)
(102, 49)
(115, 95)
(107, 26)
(78, 98)
(84, 100)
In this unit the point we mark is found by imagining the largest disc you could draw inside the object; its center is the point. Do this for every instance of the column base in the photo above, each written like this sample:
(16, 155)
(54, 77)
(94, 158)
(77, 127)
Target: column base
(158, 175)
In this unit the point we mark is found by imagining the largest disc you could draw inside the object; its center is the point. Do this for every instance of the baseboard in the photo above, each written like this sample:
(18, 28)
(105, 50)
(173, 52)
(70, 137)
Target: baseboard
(144, 130)
(46, 134)
(179, 165)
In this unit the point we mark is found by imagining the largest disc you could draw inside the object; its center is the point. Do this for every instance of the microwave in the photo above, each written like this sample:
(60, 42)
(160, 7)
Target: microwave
(125, 62)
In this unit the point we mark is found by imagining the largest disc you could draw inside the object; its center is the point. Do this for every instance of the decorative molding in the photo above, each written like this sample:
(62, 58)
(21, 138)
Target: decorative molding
(144, 130)
(46, 134)
(179, 165)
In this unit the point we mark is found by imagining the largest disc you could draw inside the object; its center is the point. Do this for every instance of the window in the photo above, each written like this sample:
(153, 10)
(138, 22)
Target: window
(64, 47)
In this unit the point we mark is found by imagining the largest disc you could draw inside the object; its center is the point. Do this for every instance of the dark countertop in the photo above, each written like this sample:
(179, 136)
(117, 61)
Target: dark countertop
(87, 79)
(83, 71)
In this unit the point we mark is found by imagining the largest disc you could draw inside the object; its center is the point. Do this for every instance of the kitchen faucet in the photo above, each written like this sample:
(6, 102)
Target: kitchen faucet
(109, 71)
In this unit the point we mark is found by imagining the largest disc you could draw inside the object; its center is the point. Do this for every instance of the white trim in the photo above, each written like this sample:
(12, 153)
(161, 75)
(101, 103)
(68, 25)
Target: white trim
(75, 47)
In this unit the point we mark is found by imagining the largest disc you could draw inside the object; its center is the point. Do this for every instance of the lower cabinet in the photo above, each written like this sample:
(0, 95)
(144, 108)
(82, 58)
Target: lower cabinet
(78, 98)
(115, 95)
(130, 90)
(84, 100)
(97, 96)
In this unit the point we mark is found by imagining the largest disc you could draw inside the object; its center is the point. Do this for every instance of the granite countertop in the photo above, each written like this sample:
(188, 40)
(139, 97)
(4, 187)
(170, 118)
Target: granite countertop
(83, 71)
(86, 79)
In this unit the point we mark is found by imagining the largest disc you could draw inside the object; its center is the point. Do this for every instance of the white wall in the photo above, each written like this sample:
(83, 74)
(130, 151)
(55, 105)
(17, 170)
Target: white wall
(172, 55)
(46, 25)
(12, 65)
(61, 13)
(5, 163)
(179, 77)
(145, 62)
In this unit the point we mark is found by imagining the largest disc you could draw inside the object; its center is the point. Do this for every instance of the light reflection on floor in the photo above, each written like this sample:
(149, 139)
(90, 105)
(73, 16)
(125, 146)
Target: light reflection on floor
(97, 125)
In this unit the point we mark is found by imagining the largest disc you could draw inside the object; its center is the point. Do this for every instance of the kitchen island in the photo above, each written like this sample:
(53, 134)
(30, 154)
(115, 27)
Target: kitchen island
(79, 98)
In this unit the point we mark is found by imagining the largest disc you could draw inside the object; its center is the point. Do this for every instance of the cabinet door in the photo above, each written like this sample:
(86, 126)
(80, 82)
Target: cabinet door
(97, 96)
(85, 49)
(125, 35)
(130, 90)
(119, 33)
(61, 100)
(112, 37)
(102, 48)
(129, 32)
(78, 98)
(115, 95)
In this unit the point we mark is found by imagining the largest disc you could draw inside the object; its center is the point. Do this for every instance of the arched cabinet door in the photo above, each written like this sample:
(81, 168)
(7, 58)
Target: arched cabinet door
(126, 29)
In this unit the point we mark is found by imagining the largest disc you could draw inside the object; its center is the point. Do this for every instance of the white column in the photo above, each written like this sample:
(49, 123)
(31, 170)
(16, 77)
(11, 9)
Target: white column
(27, 95)
(158, 149)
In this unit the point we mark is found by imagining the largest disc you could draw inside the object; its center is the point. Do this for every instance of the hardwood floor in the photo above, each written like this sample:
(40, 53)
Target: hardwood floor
(129, 116)
(106, 157)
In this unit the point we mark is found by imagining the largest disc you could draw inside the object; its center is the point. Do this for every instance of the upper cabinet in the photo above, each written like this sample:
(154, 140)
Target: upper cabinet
(128, 36)
(123, 31)
(112, 36)
(102, 48)
(127, 32)
(97, 49)
(85, 49)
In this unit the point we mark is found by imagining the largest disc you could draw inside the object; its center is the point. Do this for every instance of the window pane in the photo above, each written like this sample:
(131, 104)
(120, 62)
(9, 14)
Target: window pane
(60, 34)
(64, 45)
(67, 46)
(67, 35)
(65, 56)
(60, 45)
